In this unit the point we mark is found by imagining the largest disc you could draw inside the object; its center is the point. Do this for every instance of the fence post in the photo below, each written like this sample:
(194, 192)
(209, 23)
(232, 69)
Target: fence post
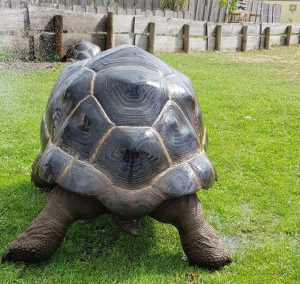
(58, 35)
(218, 37)
(110, 30)
(151, 38)
(186, 38)
(31, 54)
(288, 35)
(244, 38)
(267, 38)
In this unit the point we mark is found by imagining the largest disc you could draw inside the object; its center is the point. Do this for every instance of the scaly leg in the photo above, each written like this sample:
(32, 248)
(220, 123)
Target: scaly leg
(199, 241)
(44, 235)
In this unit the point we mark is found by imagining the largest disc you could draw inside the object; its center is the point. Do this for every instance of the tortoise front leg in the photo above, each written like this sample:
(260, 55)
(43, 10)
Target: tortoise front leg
(199, 241)
(44, 235)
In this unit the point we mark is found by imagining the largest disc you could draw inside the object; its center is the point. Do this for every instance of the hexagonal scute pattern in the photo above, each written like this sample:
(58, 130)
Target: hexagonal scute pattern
(128, 55)
(132, 157)
(69, 90)
(182, 95)
(177, 133)
(131, 96)
(84, 129)
(124, 120)
(82, 50)
(181, 91)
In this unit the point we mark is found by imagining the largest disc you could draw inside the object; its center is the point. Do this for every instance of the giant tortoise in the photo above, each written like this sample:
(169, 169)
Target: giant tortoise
(122, 134)
(82, 50)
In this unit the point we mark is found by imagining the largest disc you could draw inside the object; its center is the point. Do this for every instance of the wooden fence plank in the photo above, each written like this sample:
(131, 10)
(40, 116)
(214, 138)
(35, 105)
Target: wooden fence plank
(223, 14)
(208, 4)
(277, 32)
(270, 13)
(295, 37)
(211, 36)
(168, 44)
(231, 29)
(11, 19)
(192, 8)
(168, 26)
(42, 17)
(141, 41)
(213, 17)
(253, 11)
(231, 37)
(276, 13)
(201, 10)
(259, 16)
(12, 32)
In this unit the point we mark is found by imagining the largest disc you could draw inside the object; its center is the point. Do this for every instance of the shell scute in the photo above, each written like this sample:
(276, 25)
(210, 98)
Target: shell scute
(177, 133)
(84, 129)
(130, 96)
(132, 157)
(66, 94)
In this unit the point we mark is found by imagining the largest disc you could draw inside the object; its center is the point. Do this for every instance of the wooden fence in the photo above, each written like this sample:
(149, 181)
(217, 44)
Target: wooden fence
(32, 31)
(199, 10)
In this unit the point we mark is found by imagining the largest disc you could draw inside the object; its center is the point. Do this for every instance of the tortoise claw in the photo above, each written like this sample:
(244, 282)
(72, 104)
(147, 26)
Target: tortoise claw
(6, 256)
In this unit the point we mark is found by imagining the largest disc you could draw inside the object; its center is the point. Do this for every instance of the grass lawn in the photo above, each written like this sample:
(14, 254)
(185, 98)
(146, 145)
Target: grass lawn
(251, 106)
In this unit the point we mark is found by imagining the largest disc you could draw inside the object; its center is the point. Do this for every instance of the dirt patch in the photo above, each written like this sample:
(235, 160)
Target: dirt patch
(22, 67)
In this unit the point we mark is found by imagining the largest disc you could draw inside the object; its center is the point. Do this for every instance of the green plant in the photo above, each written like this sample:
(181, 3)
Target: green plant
(232, 4)
(174, 5)
(6, 54)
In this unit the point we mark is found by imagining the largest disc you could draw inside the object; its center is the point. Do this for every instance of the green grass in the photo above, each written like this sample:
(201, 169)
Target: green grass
(251, 107)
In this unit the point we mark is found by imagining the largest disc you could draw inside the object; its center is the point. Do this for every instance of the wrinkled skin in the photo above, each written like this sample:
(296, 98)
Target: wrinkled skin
(45, 234)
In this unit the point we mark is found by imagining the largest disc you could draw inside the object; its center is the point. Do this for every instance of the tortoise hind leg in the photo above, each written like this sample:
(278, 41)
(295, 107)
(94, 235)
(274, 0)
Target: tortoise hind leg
(44, 235)
(199, 241)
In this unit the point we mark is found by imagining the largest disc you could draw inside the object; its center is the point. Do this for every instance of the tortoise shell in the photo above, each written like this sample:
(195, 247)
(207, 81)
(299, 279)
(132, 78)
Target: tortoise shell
(82, 50)
(126, 128)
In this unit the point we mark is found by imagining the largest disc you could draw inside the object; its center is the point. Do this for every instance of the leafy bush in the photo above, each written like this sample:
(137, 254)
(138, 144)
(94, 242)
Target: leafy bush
(174, 5)
(232, 4)
(6, 54)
